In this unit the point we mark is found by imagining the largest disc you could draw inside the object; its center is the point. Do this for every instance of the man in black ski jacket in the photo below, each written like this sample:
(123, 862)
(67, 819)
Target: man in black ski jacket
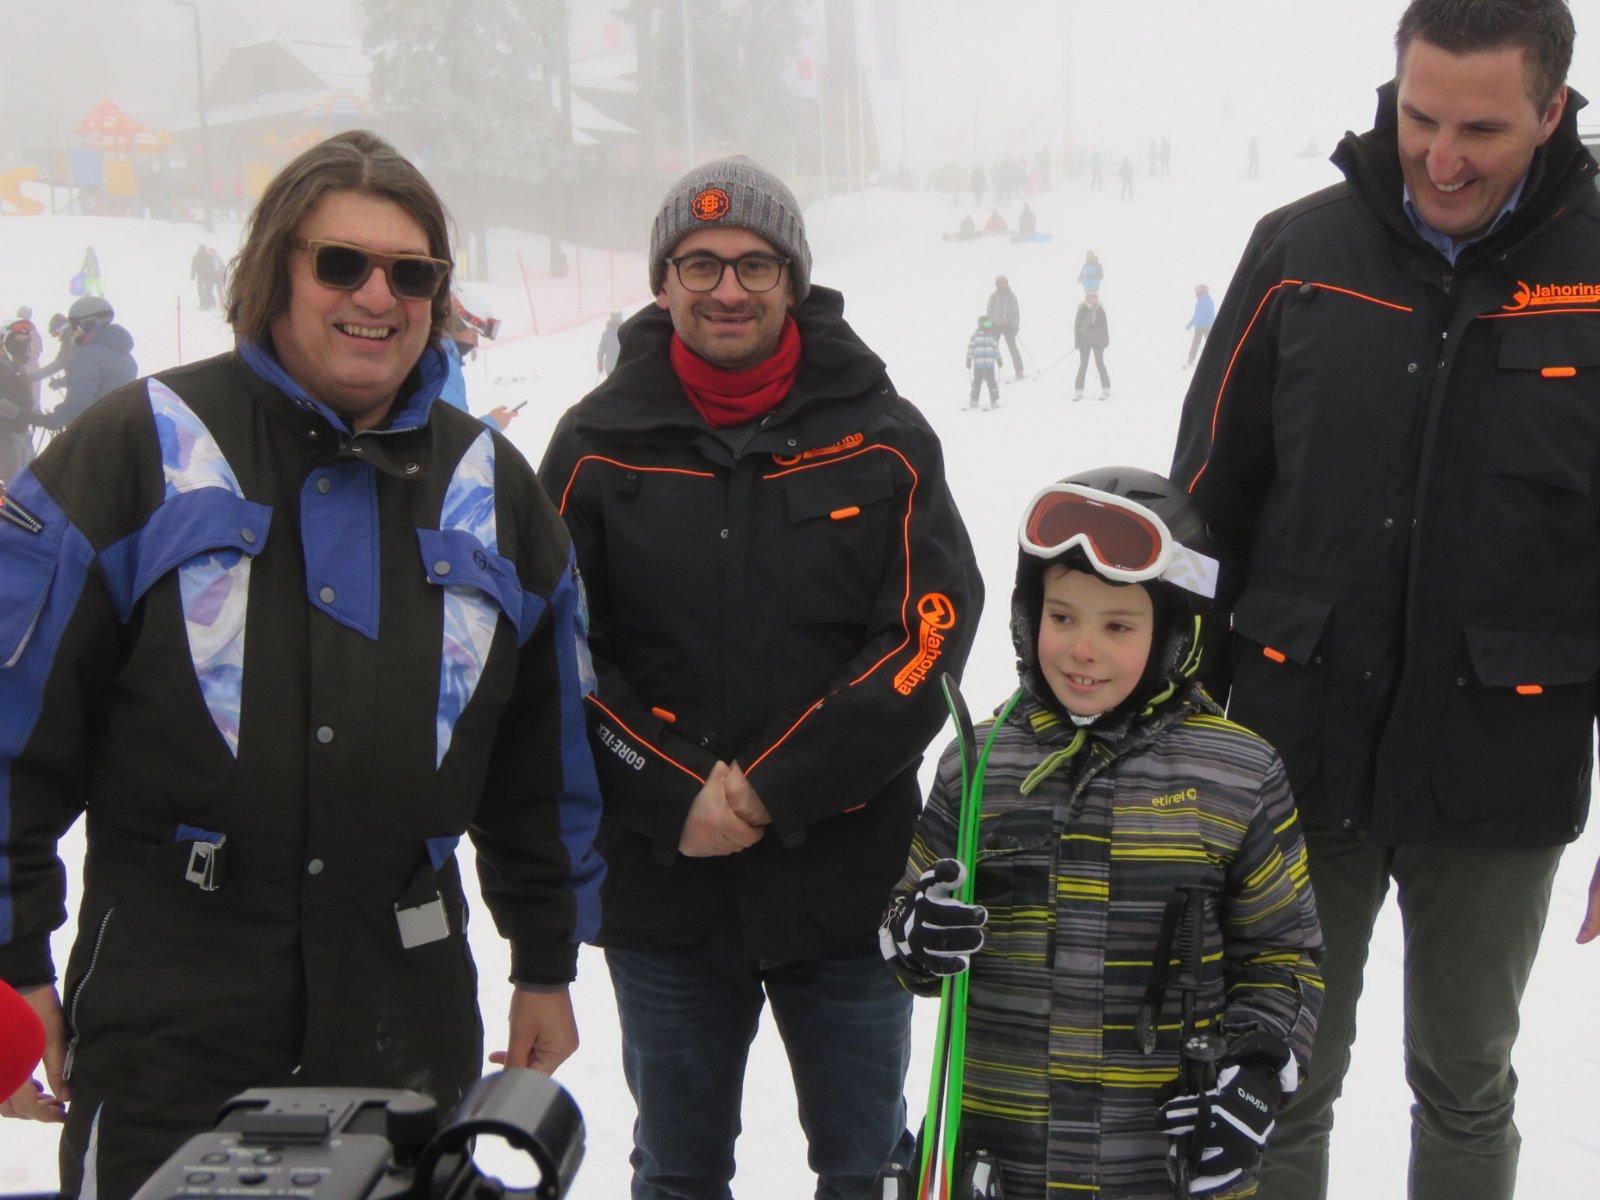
(1395, 434)
(286, 627)
(1006, 314)
(777, 577)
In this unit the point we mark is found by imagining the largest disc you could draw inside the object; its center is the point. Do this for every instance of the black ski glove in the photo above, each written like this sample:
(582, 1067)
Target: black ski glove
(930, 930)
(1234, 1118)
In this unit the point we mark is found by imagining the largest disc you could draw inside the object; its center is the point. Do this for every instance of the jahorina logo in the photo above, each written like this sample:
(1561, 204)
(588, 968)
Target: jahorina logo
(845, 443)
(1549, 295)
(710, 204)
(938, 614)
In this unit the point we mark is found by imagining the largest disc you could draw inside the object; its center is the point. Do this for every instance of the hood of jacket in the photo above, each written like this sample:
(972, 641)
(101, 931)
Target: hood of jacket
(1560, 177)
(112, 338)
(643, 391)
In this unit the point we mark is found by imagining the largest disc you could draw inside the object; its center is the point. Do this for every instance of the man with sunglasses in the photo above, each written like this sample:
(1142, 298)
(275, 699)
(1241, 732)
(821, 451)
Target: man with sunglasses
(778, 576)
(1394, 431)
(287, 627)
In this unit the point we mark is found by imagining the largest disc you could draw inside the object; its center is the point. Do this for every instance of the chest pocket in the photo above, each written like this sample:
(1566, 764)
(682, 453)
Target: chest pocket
(1543, 422)
(480, 586)
(840, 518)
(1016, 864)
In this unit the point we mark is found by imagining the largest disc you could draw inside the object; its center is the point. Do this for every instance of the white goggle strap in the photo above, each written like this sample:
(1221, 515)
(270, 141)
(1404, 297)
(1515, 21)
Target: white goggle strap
(1192, 571)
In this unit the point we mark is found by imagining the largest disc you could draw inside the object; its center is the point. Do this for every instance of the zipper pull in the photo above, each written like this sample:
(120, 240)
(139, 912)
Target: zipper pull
(1445, 281)
(66, 1064)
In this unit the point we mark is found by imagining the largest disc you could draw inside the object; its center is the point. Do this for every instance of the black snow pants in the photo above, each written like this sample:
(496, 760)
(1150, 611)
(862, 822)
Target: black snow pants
(291, 973)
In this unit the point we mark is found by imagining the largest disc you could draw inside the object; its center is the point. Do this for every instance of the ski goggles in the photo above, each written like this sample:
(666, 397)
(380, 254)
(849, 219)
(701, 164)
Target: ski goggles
(347, 268)
(1124, 540)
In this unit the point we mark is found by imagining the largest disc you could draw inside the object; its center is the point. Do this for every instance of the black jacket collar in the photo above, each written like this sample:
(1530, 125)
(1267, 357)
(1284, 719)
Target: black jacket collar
(1561, 176)
(643, 392)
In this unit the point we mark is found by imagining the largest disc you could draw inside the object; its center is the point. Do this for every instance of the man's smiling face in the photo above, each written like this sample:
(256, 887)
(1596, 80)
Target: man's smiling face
(728, 326)
(1468, 130)
(352, 350)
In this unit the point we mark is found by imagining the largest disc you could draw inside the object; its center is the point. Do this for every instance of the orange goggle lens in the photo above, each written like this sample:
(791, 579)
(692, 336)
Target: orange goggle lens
(1118, 537)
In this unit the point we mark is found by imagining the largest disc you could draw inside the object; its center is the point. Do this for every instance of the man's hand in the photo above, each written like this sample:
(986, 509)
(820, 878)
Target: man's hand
(1590, 929)
(544, 1032)
(712, 827)
(31, 1102)
(744, 800)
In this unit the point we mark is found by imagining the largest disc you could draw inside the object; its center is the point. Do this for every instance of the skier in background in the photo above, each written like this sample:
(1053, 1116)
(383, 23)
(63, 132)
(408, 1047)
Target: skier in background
(983, 359)
(203, 272)
(1091, 273)
(1091, 334)
(66, 346)
(1006, 313)
(34, 347)
(605, 356)
(103, 359)
(18, 415)
(1201, 320)
(1125, 173)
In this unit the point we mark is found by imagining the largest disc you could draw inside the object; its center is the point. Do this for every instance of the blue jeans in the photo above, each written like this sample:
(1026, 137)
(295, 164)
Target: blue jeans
(688, 1019)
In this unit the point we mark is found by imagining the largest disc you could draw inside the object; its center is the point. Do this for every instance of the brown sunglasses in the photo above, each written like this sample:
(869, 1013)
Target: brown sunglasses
(347, 268)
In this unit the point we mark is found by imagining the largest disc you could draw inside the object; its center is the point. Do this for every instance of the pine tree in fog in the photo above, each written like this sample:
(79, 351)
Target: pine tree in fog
(471, 87)
(741, 51)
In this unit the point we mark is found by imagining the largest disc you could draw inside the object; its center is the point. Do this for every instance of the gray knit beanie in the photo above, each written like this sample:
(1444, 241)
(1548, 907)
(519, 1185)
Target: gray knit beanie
(737, 193)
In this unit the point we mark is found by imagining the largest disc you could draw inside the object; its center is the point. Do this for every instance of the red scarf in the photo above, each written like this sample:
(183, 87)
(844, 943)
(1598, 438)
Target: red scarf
(726, 398)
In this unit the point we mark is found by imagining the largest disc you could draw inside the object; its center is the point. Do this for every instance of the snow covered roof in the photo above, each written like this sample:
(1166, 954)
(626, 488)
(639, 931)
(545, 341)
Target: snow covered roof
(588, 119)
(337, 59)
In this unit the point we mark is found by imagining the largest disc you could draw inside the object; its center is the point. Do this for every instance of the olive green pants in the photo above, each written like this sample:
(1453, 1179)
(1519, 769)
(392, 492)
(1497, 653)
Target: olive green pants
(1472, 917)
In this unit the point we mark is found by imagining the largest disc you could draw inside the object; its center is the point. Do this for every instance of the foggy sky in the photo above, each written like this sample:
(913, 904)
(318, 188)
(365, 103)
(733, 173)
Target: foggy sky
(981, 77)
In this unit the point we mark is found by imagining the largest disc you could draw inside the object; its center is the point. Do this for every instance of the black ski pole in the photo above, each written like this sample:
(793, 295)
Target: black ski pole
(1198, 1053)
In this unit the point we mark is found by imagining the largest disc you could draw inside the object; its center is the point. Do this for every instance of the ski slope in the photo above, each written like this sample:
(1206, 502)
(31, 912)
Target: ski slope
(914, 298)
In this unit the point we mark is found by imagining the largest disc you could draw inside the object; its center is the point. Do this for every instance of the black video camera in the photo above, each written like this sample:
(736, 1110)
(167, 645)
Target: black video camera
(376, 1144)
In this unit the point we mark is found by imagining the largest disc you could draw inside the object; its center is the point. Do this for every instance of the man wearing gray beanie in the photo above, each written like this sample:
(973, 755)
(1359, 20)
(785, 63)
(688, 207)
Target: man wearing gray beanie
(777, 576)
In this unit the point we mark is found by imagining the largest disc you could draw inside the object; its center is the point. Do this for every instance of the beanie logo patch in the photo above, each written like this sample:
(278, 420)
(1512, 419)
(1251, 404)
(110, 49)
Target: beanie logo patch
(710, 204)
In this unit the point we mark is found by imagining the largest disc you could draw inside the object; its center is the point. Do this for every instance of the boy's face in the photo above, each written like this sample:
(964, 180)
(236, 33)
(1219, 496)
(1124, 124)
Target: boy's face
(1094, 639)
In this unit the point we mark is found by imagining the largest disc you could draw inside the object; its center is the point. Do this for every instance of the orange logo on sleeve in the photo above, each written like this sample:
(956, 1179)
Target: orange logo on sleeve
(710, 204)
(1547, 295)
(938, 614)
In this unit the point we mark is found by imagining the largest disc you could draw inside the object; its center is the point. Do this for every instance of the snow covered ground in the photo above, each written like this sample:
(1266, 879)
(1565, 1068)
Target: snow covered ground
(914, 297)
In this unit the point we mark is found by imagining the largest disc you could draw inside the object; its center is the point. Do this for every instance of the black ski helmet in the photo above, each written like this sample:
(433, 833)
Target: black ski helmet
(1177, 641)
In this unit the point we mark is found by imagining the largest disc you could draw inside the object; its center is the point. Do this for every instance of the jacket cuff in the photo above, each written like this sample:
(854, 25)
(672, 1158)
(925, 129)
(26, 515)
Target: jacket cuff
(540, 962)
(671, 814)
(26, 962)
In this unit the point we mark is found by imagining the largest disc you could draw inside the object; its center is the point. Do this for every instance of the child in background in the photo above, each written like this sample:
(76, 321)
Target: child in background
(1114, 790)
(983, 358)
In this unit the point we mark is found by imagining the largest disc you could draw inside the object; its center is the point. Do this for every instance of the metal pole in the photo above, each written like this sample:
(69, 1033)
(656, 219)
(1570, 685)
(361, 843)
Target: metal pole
(688, 86)
(200, 94)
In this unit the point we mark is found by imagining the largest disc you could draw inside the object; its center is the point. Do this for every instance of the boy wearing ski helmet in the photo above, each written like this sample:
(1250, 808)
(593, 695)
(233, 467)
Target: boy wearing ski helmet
(983, 360)
(1117, 812)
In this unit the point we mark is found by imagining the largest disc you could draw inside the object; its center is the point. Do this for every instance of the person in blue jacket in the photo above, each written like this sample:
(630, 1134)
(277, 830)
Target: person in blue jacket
(103, 360)
(1091, 273)
(1204, 316)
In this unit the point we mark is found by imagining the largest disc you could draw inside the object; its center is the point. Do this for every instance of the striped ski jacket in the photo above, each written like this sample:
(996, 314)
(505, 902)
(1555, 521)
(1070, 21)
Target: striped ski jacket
(983, 350)
(1081, 844)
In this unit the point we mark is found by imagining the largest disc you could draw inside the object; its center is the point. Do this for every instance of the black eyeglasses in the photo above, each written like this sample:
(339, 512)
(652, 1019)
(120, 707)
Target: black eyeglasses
(347, 268)
(702, 272)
